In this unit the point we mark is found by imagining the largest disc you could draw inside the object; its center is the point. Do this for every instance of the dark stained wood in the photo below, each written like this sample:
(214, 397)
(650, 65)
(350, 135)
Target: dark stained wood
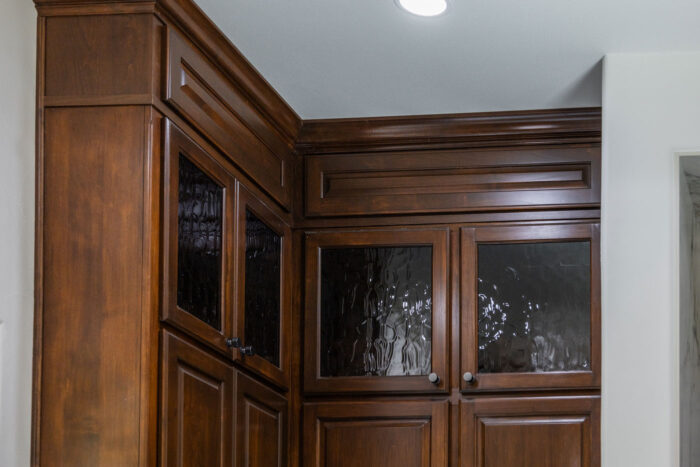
(530, 432)
(469, 355)
(375, 433)
(176, 144)
(420, 132)
(222, 112)
(315, 241)
(99, 56)
(92, 292)
(452, 181)
(261, 425)
(279, 375)
(197, 407)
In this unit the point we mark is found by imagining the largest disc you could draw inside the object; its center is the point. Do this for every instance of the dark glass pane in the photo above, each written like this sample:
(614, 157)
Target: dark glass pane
(199, 227)
(376, 311)
(534, 307)
(263, 249)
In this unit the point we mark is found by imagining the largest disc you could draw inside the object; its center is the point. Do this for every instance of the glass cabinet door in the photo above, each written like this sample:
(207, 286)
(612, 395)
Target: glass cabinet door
(262, 326)
(530, 307)
(198, 238)
(376, 311)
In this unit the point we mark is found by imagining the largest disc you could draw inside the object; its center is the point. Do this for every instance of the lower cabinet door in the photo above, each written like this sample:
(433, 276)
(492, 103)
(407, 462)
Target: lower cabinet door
(196, 407)
(261, 425)
(379, 433)
(530, 432)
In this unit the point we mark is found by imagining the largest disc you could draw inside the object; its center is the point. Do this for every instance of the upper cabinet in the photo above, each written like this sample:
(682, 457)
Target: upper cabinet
(263, 321)
(198, 236)
(530, 307)
(376, 311)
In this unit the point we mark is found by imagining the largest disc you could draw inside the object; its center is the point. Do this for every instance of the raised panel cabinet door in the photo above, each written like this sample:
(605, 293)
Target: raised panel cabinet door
(530, 307)
(263, 321)
(530, 432)
(376, 312)
(196, 407)
(376, 433)
(261, 424)
(198, 237)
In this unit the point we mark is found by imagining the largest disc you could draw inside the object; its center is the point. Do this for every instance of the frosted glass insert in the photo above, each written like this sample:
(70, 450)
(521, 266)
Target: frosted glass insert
(534, 307)
(376, 311)
(199, 226)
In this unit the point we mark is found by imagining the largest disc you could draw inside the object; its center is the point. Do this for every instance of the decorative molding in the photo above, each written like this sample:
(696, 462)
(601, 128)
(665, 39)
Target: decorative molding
(471, 130)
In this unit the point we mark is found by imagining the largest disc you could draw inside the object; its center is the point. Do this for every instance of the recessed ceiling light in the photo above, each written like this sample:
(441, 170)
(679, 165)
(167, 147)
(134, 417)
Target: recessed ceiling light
(423, 7)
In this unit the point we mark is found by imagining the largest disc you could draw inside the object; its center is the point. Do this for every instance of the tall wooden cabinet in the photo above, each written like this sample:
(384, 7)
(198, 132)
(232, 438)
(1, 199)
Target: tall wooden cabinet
(220, 283)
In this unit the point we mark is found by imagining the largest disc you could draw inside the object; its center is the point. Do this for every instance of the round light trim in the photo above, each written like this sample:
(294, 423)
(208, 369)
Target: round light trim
(424, 7)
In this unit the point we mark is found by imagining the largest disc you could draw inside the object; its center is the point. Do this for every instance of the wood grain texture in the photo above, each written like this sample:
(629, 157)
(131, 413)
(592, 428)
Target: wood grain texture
(93, 215)
(374, 433)
(529, 432)
(196, 407)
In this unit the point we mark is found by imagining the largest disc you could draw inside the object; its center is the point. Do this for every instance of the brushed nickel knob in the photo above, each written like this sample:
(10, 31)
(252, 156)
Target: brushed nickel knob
(434, 378)
(233, 342)
(247, 351)
(468, 377)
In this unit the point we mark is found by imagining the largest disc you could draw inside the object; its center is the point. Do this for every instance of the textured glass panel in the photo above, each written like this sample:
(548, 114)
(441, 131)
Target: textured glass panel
(262, 288)
(534, 307)
(199, 227)
(376, 311)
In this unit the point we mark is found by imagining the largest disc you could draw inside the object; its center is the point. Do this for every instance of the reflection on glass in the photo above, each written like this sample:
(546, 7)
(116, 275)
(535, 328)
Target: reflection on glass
(376, 311)
(534, 307)
(199, 227)
(262, 288)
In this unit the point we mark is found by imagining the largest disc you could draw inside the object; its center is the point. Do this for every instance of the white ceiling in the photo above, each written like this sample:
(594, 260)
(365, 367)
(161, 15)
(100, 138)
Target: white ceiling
(360, 58)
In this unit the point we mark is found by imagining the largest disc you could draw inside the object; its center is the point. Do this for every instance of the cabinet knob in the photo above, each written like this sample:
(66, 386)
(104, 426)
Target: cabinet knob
(247, 351)
(233, 342)
(468, 377)
(434, 378)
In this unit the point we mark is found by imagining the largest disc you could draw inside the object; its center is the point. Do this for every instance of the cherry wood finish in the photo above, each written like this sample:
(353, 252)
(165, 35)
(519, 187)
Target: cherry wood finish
(279, 375)
(315, 241)
(260, 424)
(177, 144)
(470, 238)
(387, 433)
(530, 431)
(222, 112)
(454, 180)
(197, 406)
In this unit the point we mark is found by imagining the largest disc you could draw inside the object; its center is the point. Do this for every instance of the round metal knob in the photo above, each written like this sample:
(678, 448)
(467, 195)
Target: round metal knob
(247, 351)
(468, 377)
(233, 342)
(434, 378)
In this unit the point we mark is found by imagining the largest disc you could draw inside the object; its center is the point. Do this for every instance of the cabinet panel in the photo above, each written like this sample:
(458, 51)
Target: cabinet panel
(530, 307)
(263, 322)
(528, 432)
(261, 425)
(389, 433)
(376, 310)
(197, 406)
(198, 236)
(220, 110)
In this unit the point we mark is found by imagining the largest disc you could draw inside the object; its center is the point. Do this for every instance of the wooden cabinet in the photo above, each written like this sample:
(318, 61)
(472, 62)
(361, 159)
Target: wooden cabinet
(530, 431)
(197, 406)
(387, 433)
(530, 307)
(261, 425)
(376, 311)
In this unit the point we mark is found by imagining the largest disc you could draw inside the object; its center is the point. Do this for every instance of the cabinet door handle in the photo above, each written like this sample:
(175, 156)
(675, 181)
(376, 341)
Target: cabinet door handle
(247, 351)
(434, 378)
(233, 342)
(469, 377)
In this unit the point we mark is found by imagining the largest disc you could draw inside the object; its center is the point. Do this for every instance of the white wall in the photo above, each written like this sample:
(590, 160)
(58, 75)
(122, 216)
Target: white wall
(651, 110)
(17, 78)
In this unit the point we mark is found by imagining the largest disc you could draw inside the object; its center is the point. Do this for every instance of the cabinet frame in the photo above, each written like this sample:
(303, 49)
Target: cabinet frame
(470, 239)
(248, 201)
(438, 239)
(176, 143)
